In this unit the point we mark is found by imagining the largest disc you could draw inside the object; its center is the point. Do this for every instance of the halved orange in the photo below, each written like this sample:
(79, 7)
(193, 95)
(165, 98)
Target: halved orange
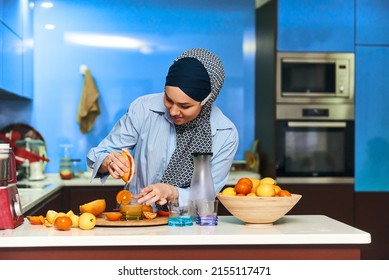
(95, 207)
(149, 215)
(113, 216)
(162, 213)
(123, 197)
(127, 177)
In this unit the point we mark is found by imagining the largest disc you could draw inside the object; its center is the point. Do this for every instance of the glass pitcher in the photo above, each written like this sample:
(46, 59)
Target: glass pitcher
(202, 186)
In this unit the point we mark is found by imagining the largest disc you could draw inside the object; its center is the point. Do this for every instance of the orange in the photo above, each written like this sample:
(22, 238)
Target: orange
(95, 207)
(240, 194)
(277, 188)
(245, 179)
(36, 220)
(113, 216)
(266, 190)
(283, 193)
(149, 215)
(162, 213)
(63, 223)
(147, 208)
(123, 197)
(127, 177)
(251, 194)
(243, 186)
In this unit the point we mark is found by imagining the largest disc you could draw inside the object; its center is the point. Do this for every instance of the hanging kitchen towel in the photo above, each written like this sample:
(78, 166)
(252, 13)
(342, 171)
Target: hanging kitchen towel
(88, 109)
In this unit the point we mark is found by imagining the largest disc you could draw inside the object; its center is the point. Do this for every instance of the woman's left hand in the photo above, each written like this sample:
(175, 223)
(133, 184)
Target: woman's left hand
(159, 193)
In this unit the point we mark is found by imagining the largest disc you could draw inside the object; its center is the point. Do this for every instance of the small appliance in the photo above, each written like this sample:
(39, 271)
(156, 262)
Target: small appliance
(11, 215)
(312, 78)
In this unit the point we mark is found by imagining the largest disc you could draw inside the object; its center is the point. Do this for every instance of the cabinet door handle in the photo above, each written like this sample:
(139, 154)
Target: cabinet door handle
(317, 124)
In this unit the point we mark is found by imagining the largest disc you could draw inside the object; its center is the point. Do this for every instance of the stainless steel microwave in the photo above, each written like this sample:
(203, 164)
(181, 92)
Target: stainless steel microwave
(315, 77)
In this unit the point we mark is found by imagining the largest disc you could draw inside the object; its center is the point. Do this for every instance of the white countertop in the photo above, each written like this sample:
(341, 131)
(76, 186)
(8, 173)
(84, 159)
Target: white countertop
(290, 230)
(40, 190)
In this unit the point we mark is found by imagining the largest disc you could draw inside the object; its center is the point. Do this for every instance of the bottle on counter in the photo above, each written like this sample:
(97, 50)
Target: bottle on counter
(202, 189)
(66, 164)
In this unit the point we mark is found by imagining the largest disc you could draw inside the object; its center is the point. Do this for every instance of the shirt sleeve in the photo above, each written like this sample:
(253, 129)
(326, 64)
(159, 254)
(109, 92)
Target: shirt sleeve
(124, 134)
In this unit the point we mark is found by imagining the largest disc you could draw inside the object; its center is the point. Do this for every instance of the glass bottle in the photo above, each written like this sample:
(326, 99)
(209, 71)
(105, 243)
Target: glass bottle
(66, 165)
(202, 186)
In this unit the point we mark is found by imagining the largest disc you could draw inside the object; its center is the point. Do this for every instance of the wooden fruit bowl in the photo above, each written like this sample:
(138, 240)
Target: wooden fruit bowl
(258, 210)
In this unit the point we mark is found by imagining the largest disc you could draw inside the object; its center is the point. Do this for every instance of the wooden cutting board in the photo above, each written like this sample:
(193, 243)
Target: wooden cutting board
(103, 222)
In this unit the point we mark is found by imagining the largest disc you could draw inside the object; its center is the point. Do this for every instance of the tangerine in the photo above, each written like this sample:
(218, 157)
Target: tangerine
(123, 197)
(243, 186)
(63, 223)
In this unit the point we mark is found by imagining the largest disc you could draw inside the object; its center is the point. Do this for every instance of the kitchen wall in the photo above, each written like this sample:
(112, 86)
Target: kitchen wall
(128, 47)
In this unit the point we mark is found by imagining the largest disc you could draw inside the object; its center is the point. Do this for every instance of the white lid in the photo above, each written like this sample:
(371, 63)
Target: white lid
(4, 146)
(3, 152)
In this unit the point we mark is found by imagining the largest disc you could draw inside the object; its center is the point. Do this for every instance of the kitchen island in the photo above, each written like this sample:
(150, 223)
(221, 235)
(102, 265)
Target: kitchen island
(292, 237)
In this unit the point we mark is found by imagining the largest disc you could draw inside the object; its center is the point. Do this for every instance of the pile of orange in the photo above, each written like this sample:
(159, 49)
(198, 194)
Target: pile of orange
(265, 187)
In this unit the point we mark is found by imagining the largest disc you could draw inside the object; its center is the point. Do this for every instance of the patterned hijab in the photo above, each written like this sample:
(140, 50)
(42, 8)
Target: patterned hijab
(196, 135)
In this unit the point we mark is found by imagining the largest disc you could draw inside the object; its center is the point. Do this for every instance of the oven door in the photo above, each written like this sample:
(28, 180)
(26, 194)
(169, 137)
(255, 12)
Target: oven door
(315, 148)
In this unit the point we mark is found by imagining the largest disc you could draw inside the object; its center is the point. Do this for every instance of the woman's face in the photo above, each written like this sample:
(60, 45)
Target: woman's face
(181, 107)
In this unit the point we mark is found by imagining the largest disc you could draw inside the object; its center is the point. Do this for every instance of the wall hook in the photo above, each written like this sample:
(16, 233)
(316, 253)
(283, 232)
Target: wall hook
(83, 69)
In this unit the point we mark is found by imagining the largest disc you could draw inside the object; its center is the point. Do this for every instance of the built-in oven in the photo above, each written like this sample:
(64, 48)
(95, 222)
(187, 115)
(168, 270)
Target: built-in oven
(315, 141)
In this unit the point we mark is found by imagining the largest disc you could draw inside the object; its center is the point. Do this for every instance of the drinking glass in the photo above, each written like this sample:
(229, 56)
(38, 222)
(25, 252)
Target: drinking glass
(179, 215)
(206, 212)
(131, 211)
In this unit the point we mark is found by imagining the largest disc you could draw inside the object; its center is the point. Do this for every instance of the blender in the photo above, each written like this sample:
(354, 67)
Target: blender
(11, 214)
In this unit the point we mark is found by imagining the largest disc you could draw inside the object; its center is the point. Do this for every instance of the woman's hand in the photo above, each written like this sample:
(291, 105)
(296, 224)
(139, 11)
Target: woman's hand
(159, 193)
(115, 164)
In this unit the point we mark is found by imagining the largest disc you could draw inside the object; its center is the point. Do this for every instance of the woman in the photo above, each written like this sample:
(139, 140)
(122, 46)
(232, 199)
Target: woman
(164, 129)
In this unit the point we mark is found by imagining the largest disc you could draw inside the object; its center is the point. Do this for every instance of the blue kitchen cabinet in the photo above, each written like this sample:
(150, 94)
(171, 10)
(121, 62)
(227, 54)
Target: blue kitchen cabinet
(28, 52)
(315, 26)
(371, 119)
(12, 62)
(372, 21)
(16, 57)
(12, 11)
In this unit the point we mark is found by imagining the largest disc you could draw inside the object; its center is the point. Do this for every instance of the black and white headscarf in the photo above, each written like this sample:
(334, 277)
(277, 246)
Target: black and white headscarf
(195, 136)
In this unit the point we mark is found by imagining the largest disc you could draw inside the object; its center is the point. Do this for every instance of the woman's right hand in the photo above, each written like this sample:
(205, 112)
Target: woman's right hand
(115, 165)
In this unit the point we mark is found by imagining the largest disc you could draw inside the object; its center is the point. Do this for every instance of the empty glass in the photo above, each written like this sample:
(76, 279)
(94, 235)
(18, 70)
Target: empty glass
(206, 212)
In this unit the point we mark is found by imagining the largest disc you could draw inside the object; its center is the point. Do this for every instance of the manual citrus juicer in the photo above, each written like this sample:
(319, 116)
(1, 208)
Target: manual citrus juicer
(11, 214)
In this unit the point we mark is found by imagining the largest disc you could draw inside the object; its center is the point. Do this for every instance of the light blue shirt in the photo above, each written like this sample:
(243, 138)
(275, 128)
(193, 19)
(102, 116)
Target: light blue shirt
(148, 131)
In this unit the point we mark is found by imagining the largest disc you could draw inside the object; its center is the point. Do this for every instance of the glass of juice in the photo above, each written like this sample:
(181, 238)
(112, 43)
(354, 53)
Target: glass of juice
(131, 211)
